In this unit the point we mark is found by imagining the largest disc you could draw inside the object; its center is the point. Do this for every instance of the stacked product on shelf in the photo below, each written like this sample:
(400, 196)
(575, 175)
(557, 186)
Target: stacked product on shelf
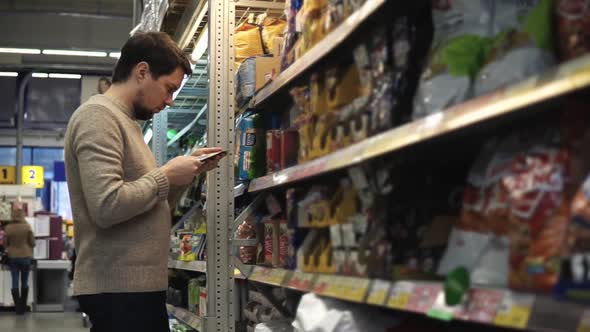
(501, 207)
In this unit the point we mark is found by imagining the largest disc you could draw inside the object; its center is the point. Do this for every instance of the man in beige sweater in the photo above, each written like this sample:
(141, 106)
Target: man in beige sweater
(120, 198)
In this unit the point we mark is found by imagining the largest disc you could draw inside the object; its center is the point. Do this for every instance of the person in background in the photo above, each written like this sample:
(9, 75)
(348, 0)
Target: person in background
(103, 85)
(120, 198)
(19, 241)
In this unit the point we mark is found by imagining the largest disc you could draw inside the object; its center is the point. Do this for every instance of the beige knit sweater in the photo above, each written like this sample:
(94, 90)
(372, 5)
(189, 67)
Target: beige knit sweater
(119, 202)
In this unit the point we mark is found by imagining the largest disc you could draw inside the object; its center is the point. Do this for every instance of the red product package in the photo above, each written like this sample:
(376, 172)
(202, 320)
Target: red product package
(247, 230)
(273, 151)
(289, 148)
(538, 217)
(283, 242)
(573, 26)
(269, 249)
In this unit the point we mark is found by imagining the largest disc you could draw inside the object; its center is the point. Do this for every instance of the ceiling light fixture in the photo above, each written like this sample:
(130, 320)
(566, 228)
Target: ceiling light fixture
(69, 76)
(75, 53)
(201, 45)
(115, 55)
(40, 75)
(20, 50)
(8, 74)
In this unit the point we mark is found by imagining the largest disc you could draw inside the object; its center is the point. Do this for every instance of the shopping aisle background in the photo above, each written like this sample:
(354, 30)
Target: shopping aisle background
(42, 322)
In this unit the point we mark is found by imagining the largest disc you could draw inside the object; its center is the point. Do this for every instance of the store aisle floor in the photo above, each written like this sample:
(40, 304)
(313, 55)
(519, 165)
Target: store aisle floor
(42, 322)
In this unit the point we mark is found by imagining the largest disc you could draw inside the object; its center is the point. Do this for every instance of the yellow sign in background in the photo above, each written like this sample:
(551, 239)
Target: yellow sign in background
(33, 175)
(7, 175)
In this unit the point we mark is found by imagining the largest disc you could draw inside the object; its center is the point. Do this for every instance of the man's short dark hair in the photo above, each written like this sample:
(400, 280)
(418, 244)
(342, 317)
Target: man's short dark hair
(155, 48)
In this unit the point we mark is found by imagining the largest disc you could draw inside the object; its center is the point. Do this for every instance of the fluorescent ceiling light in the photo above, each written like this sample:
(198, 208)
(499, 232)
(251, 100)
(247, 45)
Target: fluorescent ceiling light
(20, 50)
(8, 74)
(40, 75)
(201, 44)
(71, 76)
(115, 55)
(75, 53)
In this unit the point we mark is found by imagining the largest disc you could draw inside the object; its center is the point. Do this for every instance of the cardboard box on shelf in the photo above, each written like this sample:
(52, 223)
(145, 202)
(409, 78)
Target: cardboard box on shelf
(267, 68)
(277, 46)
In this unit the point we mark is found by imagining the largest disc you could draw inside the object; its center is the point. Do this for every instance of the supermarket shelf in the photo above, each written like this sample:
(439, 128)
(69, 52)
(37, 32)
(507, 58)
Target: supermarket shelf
(563, 79)
(316, 53)
(499, 307)
(185, 316)
(197, 266)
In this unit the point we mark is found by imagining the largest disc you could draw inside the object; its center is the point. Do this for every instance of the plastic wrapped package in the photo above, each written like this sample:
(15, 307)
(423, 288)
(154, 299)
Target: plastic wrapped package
(247, 231)
(316, 314)
(247, 42)
(459, 49)
(520, 50)
(246, 81)
(515, 204)
(271, 28)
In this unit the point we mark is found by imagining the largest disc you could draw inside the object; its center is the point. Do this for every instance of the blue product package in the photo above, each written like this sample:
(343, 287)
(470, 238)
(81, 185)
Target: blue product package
(252, 154)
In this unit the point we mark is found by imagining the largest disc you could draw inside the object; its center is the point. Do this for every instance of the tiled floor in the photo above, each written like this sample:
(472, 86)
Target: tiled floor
(42, 322)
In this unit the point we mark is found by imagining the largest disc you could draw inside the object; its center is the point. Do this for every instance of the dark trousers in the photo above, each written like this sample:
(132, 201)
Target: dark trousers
(126, 312)
(20, 267)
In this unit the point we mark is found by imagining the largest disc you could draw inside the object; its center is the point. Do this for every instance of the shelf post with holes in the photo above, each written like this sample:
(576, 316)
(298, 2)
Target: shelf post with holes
(220, 198)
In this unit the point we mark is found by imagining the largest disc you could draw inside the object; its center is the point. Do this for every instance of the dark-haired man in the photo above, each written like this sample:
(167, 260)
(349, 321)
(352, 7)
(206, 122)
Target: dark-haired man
(120, 198)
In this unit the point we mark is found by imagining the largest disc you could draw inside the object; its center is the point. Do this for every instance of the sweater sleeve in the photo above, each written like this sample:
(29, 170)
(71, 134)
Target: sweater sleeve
(98, 146)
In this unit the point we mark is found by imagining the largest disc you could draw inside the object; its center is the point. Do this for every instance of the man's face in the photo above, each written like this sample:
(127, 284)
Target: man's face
(155, 95)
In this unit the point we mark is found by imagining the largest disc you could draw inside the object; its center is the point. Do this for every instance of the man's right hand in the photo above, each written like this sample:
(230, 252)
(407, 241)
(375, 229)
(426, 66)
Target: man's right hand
(181, 171)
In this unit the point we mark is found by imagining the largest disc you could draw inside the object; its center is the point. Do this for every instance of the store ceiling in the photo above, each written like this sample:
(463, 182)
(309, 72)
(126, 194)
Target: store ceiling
(59, 24)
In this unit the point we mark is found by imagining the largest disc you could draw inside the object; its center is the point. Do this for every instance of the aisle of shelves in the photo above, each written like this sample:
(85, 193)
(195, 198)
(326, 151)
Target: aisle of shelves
(491, 113)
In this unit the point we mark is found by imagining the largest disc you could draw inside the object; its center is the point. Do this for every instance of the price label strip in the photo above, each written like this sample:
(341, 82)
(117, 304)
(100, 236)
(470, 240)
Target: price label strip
(482, 305)
(301, 281)
(277, 277)
(378, 293)
(515, 310)
(423, 297)
(325, 285)
(354, 289)
(258, 274)
(400, 295)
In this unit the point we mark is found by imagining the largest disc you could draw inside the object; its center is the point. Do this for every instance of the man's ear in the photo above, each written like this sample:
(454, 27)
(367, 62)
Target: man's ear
(142, 70)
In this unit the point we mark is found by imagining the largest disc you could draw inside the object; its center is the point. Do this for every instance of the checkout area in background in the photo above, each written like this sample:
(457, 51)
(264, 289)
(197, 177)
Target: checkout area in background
(48, 281)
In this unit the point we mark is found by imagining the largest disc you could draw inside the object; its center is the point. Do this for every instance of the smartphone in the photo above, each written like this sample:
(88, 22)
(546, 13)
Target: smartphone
(208, 156)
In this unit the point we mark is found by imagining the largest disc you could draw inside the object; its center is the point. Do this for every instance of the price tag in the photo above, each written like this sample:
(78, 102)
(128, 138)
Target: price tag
(515, 310)
(423, 297)
(353, 289)
(482, 305)
(7, 175)
(258, 274)
(379, 291)
(276, 276)
(301, 281)
(584, 322)
(33, 175)
(325, 284)
(400, 295)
